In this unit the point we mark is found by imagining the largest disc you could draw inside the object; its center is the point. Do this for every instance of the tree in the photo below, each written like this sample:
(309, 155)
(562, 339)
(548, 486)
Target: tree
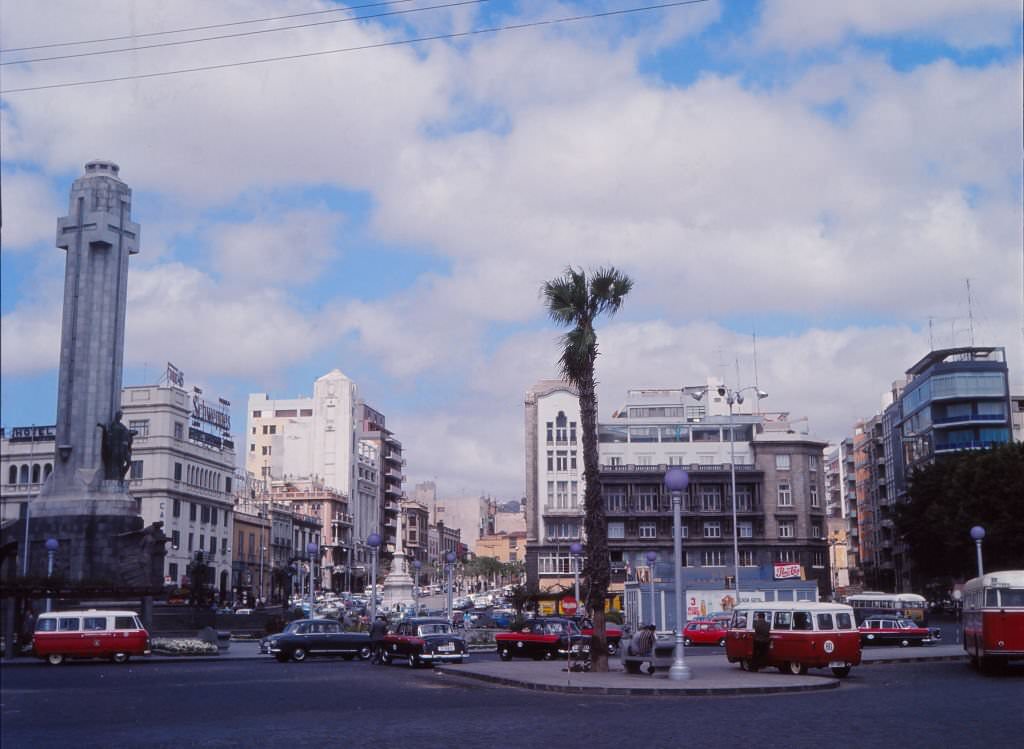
(947, 498)
(575, 300)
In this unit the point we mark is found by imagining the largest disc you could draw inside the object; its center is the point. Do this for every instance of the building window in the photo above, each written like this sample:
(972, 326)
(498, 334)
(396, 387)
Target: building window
(136, 469)
(202, 541)
(204, 514)
(177, 471)
(648, 530)
(786, 529)
(615, 460)
(815, 530)
(812, 462)
(550, 430)
(241, 543)
(615, 500)
(553, 564)
(574, 494)
(12, 475)
(745, 528)
(193, 511)
(713, 558)
(646, 499)
(561, 461)
(551, 494)
(710, 499)
(179, 430)
(815, 502)
(616, 530)
(190, 537)
(572, 432)
(140, 427)
(787, 556)
(176, 508)
(252, 447)
(36, 473)
(562, 495)
(213, 516)
(818, 559)
(785, 495)
(213, 545)
(551, 460)
(643, 460)
(257, 414)
(572, 460)
(175, 539)
(712, 529)
(172, 572)
(224, 546)
(744, 499)
(782, 462)
(560, 428)
(747, 558)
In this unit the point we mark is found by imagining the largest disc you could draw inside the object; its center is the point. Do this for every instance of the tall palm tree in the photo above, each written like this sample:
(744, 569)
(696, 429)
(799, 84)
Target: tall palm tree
(575, 300)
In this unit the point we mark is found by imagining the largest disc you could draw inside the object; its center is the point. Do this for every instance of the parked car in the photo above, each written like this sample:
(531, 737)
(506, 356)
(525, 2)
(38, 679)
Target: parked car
(544, 638)
(896, 630)
(503, 617)
(479, 620)
(312, 637)
(424, 641)
(612, 632)
(704, 633)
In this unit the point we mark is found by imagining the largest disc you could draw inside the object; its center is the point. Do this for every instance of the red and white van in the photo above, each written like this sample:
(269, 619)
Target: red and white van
(116, 635)
(803, 635)
(993, 625)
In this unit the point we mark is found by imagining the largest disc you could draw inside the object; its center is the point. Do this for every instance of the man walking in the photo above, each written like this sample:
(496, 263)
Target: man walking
(378, 630)
(762, 640)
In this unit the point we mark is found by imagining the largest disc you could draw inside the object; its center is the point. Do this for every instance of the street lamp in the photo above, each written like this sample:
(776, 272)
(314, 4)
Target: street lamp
(676, 481)
(416, 564)
(373, 541)
(957, 596)
(51, 549)
(652, 557)
(978, 533)
(313, 550)
(576, 549)
(449, 566)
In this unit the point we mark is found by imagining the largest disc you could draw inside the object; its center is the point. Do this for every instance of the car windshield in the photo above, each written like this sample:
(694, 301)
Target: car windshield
(436, 628)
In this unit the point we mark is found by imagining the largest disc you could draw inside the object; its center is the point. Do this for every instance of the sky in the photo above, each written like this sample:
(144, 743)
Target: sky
(827, 177)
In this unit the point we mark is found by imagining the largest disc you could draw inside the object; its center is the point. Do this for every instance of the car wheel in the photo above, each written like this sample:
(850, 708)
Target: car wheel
(687, 641)
(870, 637)
(904, 643)
(55, 659)
(796, 668)
(505, 654)
(298, 655)
(749, 665)
(281, 657)
(414, 661)
(721, 643)
(613, 648)
(548, 655)
(841, 671)
(120, 657)
(365, 653)
(385, 657)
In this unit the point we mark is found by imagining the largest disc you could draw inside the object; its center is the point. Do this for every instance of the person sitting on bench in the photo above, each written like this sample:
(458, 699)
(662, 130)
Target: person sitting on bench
(643, 642)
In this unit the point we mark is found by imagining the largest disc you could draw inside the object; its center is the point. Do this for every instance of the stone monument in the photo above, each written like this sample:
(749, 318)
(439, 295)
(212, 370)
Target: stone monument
(85, 503)
(397, 588)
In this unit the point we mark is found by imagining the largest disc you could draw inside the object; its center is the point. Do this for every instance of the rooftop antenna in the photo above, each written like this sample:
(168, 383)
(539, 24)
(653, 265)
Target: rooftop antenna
(970, 311)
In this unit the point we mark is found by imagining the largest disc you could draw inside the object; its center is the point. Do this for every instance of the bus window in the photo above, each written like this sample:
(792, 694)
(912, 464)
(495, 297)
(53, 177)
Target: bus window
(46, 625)
(69, 624)
(991, 597)
(1012, 597)
(844, 621)
(825, 621)
(94, 623)
(802, 620)
(783, 620)
(739, 620)
(124, 622)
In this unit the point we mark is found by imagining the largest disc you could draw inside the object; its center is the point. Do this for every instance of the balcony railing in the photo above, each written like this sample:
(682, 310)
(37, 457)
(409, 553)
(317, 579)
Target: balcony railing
(569, 511)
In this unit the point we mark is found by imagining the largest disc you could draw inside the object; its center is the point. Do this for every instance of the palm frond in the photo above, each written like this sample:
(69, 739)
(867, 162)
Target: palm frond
(566, 297)
(579, 349)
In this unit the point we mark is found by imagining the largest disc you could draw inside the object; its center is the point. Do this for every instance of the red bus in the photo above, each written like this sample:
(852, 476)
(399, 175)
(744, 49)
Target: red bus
(803, 635)
(117, 635)
(993, 618)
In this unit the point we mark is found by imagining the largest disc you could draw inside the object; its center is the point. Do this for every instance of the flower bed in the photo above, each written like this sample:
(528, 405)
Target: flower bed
(181, 646)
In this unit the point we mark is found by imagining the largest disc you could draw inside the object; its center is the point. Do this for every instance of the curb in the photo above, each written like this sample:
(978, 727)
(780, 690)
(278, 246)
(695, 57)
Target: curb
(915, 659)
(826, 683)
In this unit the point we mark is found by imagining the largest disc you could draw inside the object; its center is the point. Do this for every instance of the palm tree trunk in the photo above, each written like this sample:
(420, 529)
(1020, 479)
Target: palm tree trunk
(597, 568)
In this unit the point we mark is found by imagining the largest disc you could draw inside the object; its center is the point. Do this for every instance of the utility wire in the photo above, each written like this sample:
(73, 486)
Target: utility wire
(180, 42)
(362, 47)
(203, 28)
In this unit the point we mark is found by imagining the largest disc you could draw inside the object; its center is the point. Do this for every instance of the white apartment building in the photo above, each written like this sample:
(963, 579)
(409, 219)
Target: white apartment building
(183, 463)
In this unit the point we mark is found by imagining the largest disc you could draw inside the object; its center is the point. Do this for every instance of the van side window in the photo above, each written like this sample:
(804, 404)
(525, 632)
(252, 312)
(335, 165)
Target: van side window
(783, 620)
(46, 625)
(124, 622)
(844, 621)
(802, 620)
(69, 624)
(739, 620)
(825, 621)
(94, 623)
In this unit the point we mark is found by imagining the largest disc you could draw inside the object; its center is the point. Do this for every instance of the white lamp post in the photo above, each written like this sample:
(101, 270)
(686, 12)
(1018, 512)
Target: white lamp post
(978, 533)
(416, 564)
(449, 568)
(51, 549)
(652, 557)
(373, 541)
(676, 481)
(312, 549)
(575, 550)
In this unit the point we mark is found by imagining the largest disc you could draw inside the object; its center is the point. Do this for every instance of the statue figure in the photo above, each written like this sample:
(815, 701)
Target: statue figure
(117, 449)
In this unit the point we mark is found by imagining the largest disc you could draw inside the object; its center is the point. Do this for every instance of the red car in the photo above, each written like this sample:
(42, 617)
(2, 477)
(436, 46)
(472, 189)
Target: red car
(544, 638)
(612, 632)
(704, 633)
(896, 630)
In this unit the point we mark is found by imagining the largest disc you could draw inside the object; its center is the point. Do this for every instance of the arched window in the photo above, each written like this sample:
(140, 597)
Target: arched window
(47, 470)
(12, 475)
(23, 474)
(560, 431)
(36, 473)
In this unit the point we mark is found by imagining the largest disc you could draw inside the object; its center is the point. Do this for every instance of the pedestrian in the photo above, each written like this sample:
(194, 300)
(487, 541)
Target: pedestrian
(643, 642)
(28, 627)
(762, 641)
(378, 631)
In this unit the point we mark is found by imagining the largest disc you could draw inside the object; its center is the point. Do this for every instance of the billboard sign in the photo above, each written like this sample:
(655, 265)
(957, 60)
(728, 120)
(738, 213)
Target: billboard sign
(785, 571)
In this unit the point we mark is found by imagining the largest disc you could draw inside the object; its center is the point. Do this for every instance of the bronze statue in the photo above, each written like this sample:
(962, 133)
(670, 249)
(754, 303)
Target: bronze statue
(117, 449)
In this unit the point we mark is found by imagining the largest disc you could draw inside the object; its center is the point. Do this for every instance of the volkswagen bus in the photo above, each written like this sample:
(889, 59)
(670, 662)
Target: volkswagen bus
(993, 618)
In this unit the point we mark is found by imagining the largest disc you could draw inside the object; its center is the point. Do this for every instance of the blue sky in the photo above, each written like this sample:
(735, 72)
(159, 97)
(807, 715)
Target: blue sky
(827, 175)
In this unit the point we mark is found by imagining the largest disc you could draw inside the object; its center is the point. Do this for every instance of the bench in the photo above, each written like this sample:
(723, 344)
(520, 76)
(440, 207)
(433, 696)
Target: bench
(661, 657)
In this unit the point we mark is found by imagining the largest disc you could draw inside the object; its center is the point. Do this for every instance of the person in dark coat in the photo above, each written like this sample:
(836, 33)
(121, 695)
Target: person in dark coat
(643, 642)
(378, 631)
(762, 641)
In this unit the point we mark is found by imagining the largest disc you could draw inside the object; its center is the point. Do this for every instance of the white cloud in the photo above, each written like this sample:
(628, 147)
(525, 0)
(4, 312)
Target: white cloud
(30, 210)
(797, 24)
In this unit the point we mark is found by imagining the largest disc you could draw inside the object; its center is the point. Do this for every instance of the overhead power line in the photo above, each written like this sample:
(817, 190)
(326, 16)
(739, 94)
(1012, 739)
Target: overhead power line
(237, 34)
(207, 27)
(360, 48)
